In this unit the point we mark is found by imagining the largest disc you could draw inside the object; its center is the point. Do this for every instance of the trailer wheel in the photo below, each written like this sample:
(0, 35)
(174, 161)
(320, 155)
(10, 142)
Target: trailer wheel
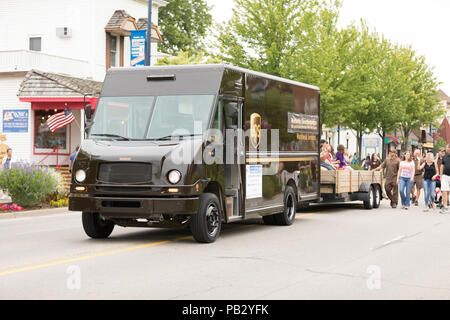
(287, 217)
(95, 227)
(377, 197)
(370, 198)
(206, 224)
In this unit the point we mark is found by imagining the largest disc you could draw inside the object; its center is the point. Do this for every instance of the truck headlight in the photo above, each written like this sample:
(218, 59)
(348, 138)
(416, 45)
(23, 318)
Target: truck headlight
(174, 176)
(80, 175)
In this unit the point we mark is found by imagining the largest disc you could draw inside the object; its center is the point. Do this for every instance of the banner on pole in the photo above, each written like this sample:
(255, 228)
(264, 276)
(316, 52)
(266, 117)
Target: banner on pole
(138, 41)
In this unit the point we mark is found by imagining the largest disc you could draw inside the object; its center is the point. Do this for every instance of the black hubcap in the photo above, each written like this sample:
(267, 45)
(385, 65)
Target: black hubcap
(212, 219)
(290, 208)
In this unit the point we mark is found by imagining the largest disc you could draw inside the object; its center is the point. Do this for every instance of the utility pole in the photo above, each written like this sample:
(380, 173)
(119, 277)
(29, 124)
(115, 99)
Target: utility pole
(148, 43)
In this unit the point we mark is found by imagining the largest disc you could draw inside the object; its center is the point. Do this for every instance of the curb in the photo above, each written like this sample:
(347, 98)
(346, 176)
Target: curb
(33, 213)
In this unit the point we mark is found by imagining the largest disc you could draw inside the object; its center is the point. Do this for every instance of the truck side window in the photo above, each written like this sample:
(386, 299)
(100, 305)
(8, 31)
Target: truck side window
(217, 124)
(231, 115)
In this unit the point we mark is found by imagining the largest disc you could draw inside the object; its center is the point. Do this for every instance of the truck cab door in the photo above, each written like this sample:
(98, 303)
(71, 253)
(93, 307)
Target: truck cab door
(234, 157)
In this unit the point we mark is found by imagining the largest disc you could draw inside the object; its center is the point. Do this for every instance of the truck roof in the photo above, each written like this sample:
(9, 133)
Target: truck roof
(217, 67)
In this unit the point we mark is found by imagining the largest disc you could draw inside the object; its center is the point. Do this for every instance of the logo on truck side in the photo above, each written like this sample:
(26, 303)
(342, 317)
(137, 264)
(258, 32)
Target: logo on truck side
(255, 130)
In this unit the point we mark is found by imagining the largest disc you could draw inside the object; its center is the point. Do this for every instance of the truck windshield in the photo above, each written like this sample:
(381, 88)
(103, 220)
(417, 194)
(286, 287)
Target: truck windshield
(151, 118)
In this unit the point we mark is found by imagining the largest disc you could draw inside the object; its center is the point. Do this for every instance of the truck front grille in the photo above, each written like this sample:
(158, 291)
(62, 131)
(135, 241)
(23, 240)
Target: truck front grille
(124, 172)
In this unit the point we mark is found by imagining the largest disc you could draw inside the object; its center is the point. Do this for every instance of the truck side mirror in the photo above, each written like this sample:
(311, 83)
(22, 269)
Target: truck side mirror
(88, 112)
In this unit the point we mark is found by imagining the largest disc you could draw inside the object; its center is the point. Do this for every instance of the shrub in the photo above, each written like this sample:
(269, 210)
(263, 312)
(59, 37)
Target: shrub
(28, 185)
(357, 167)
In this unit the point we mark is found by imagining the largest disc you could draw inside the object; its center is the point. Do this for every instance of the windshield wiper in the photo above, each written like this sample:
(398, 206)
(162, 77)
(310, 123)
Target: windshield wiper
(178, 136)
(111, 136)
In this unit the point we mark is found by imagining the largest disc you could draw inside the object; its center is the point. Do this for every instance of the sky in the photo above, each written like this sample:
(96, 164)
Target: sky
(423, 24)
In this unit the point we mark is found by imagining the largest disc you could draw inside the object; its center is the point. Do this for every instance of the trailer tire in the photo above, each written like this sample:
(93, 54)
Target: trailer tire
(95, 227)
(377, 197)
(206, 224)
(368, 202)
(287, 217)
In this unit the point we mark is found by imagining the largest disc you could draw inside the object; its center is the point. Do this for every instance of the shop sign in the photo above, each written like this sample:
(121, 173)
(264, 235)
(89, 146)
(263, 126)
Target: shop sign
(15, 121)
(371, 142)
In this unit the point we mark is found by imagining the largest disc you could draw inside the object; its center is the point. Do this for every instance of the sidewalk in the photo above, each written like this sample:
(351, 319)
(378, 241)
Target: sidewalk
(33, 213)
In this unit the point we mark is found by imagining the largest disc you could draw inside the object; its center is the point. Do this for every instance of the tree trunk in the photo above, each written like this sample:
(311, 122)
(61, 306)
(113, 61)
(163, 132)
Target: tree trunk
(405, 143)
(359, 147)
(384, 145)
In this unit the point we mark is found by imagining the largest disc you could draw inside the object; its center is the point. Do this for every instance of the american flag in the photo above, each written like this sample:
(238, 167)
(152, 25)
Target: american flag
(60, 120)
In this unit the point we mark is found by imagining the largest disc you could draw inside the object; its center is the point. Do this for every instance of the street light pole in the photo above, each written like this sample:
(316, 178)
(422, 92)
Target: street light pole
(148, 43)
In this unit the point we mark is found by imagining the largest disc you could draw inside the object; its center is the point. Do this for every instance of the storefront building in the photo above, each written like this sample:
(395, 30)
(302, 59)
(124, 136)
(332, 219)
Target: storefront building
(56, 58)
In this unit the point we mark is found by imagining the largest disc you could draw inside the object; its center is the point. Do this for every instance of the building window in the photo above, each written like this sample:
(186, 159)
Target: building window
(113, 51)
(43, 137)
(35, 43)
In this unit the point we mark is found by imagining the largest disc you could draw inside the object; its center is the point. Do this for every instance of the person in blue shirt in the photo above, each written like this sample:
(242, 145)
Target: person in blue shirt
(6, 162)
(72, 157)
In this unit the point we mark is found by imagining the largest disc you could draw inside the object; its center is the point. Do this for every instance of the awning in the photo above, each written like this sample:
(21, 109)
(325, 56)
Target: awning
(54, 91)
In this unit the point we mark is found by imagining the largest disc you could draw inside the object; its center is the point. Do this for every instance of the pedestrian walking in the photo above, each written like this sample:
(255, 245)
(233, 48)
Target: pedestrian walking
(391, 164)
(429, 180)
(374, 162)
(444, 172)
(418, 177)
(405, 179)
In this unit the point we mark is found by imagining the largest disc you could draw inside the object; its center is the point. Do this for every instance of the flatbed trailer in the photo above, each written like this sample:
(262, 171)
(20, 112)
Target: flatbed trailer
(346, 186)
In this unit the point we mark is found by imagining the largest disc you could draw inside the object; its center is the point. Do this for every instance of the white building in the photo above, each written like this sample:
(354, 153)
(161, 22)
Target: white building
(370, 143)
(70, 44)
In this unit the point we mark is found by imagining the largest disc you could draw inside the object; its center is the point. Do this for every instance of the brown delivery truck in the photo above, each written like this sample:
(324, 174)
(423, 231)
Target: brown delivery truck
(201, 146)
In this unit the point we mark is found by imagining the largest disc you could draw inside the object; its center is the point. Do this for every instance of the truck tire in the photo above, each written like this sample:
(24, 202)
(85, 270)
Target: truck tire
(377, 197)
(206, 224)
(368, 202)
(95, 227)
(287, 217)
(269, 220)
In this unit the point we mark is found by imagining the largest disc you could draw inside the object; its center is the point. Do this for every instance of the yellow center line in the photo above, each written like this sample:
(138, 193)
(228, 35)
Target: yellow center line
(101, 254)
(299, 216)
(116, 251)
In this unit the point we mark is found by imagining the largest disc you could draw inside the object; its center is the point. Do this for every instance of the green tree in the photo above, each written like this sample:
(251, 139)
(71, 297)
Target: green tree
(184, 24)
(259, 35)
(419, 97)
(440, 143)
(187, 58)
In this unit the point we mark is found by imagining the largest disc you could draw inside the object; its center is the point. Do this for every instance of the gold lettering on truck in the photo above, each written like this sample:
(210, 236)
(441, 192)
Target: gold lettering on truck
(255, 130)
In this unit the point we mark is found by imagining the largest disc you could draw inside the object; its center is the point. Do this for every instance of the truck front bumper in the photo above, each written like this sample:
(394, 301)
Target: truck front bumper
(112, 207)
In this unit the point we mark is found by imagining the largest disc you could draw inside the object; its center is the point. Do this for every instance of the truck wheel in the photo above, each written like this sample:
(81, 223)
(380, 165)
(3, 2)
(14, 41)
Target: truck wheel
(287, 217)
(206, 224)
(95, 227)
(370, 198)
(269, 220)
(377, 197)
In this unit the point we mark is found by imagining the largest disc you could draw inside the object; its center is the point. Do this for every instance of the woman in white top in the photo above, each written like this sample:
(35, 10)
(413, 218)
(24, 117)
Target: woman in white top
(405, 179)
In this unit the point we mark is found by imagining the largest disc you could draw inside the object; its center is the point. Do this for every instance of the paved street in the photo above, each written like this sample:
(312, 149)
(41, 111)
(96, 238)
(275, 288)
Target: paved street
(341, 252)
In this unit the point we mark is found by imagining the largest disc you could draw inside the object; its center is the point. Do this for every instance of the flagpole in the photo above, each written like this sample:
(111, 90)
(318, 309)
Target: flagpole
(148, 43)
